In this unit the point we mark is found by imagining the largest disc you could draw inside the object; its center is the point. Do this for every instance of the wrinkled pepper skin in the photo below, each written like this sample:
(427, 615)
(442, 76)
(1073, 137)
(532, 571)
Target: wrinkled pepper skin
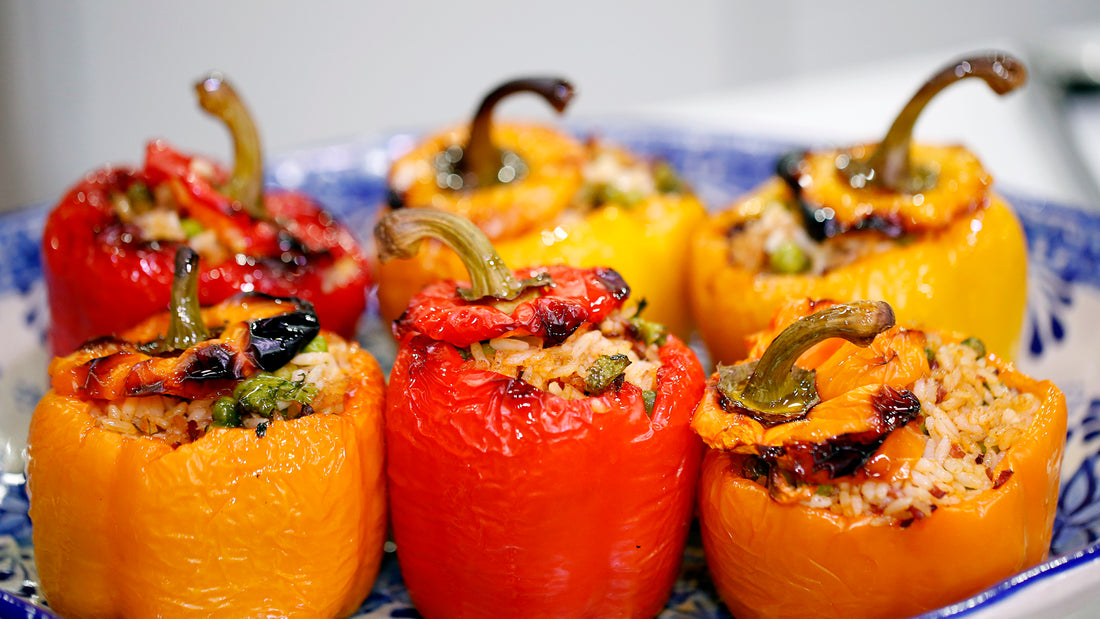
(102, 279)
(230, 525)
(510, 501)
(785, 559)
(646, 242)
(950, 279)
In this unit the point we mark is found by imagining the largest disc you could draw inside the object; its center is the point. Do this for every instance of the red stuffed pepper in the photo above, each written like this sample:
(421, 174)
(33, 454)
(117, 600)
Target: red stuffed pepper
(540, 459)
(108, 247)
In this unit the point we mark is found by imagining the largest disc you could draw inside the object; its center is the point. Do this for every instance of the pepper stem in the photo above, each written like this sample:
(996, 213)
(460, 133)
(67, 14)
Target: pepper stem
(218, 98)
(482, 161)
(774, 390)
(399, 234)
(890, 166)
(186, 326)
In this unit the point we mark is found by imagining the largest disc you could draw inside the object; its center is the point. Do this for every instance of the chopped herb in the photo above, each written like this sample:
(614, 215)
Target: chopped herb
(824, 490)
(260, 394)
(789, 259)
(930, 354)
(666, 178)
(642, 304)
(191, 227)
(649, 332)
(225, 414)
(319, 344)
(604, 371)
(465, 354)
(981, 446)
(906, 239)
(923, 429)
(976, 345)
(610, 194)
(141, 199)
(649, 398)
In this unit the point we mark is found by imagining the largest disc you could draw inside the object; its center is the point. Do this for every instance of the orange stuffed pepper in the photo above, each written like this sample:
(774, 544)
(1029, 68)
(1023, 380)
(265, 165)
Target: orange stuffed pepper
(885, 476)
(222, 463)
(543, 197)
(915, 225)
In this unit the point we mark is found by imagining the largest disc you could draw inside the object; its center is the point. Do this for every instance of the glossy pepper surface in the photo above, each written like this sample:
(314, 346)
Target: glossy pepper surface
(109, 244)
(237, 522)
(562, 202)
(773, 556)
(927, 233)
(509, 500)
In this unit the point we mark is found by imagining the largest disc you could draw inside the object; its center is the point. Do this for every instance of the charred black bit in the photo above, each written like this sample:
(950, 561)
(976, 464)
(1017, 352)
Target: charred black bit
(261, 430)
(274, 341)
(649, 398)
(842, 455)
(604, 371)
(399, 234)
(560, 320)
(613, 282)
(774, 390)
(480, 163)
(394, 199)
(755, 468)
(213, 362)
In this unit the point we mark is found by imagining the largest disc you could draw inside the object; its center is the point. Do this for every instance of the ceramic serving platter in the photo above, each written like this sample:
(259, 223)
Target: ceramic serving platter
(1061, 339)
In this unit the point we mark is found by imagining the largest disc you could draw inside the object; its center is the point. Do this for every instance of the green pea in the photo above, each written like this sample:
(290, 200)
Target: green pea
(191, 227)
(225, 413)
(976, 345)
(789, 259)
(317, 345)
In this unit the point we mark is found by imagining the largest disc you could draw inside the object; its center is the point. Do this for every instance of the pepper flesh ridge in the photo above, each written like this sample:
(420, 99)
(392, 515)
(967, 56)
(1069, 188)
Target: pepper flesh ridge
(646, 242)
(949, 279)
(229, 525)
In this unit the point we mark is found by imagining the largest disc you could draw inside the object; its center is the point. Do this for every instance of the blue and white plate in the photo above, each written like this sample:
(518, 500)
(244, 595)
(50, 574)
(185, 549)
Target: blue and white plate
(1060, 342)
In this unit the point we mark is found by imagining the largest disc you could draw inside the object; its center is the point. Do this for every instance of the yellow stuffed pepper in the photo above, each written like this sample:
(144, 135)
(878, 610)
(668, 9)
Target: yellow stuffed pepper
(543, 197)
(915, 225)
(885, 476)
(233, 468)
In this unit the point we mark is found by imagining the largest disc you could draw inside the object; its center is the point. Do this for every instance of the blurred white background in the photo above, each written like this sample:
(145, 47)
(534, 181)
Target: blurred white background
(86, 83)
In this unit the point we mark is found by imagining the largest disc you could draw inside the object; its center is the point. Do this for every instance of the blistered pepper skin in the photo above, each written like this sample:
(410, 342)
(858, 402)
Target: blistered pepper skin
(99, 283)
(230, 525)
(951, 279)
(773, 560)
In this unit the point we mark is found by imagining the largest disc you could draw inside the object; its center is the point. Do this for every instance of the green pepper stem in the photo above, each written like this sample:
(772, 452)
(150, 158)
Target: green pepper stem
(858, 322)
(218, 98)
(481, 159)
(399, 234)
(890, 166)
(774, 390)
(186, 327)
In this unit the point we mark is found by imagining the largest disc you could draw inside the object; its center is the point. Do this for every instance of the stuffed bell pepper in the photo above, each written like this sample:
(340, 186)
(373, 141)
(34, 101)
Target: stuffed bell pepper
(543, 197)
(226, 462)
(883, 476)
(539, 454)
(108, 246)
(913, 224)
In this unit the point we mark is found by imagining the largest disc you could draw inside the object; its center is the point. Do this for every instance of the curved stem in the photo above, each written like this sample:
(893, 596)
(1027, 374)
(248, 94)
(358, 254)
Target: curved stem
(217, 97)
(481, 159)
(399, 234)
(889, 166)
(186, 327)
(776, 390)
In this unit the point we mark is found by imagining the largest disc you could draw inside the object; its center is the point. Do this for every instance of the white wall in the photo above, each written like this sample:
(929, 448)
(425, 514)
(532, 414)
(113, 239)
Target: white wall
(82, 84)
